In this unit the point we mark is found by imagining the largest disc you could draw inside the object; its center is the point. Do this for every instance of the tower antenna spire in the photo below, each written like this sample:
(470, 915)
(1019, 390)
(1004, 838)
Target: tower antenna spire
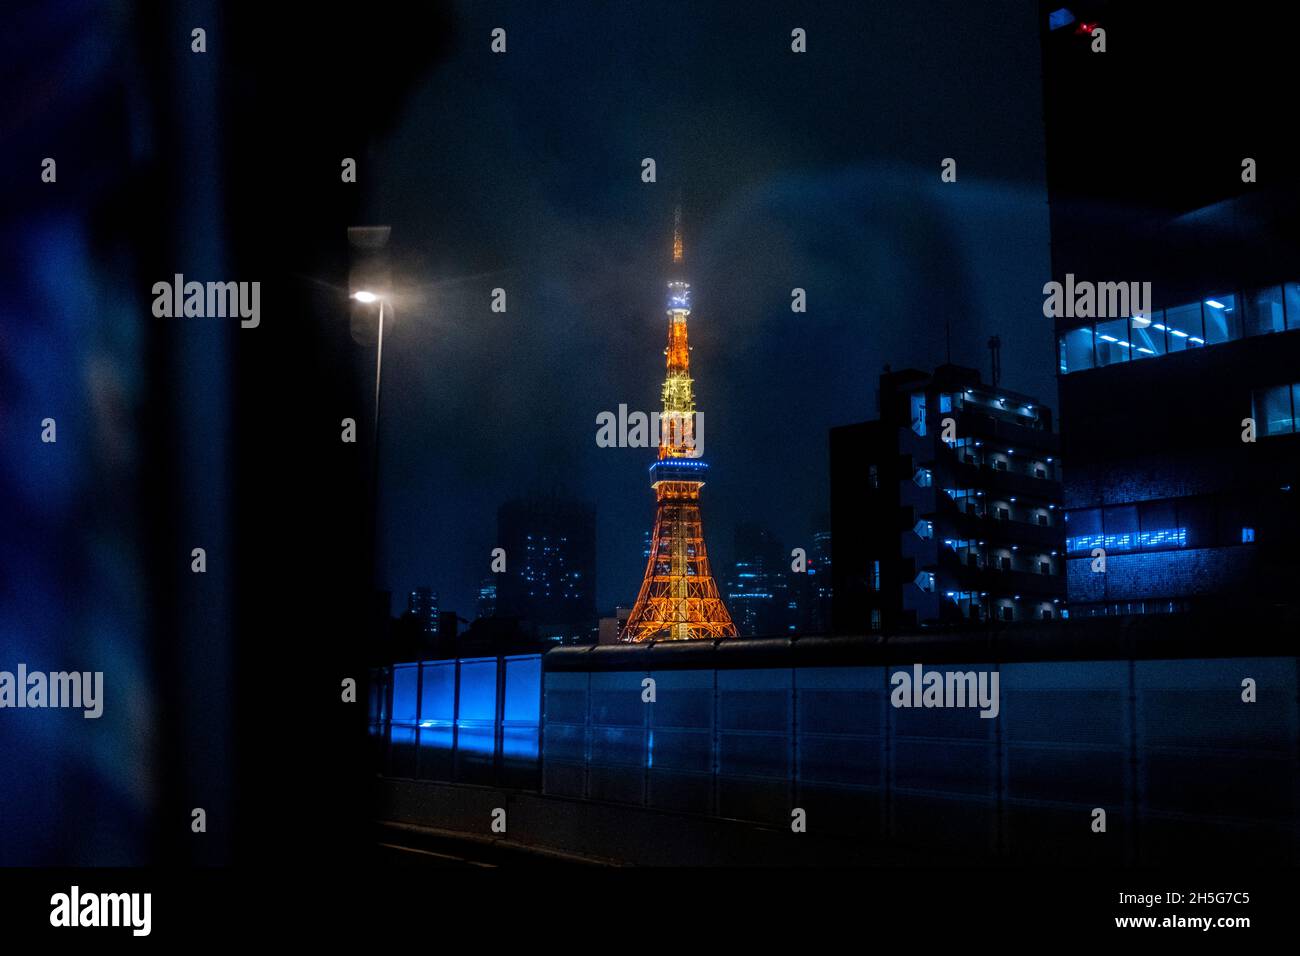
(679, 251)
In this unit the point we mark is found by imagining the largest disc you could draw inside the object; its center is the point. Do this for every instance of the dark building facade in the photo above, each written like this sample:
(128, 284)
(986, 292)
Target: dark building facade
(768, 596)
(946, 509)
(811, 592)
(550, 576)
(1156, 409)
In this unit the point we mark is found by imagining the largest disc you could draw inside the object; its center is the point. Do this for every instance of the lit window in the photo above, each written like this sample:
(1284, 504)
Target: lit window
(1272, 410)
(1291, 304)
(918, 413)
(1148, 337)
(1076, 350)
(1113, 345)
(1222, 319)
(1263, 311)
(1183, 324)
(1061, 17)
(1247, 535)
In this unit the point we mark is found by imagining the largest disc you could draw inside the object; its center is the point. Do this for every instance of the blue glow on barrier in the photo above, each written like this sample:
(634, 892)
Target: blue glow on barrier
(473, 717)
(405, 680)
(520, 743)
(523, 698)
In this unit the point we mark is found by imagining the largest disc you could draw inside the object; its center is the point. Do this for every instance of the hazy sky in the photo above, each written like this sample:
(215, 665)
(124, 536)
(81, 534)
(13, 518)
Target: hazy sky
(818, 170)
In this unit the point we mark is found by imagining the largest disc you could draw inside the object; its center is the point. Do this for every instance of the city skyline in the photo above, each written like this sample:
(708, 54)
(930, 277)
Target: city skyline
(994, 326)
(784, 188)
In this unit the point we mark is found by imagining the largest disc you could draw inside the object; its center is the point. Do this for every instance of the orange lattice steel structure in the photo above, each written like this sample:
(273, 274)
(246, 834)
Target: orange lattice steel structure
(679, 599)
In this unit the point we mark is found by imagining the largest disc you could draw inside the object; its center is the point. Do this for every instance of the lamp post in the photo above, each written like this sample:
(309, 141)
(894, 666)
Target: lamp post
(366, 297)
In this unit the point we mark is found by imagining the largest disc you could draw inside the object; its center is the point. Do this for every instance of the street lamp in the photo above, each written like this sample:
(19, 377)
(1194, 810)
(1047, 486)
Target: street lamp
(368, 283)
(365, 296)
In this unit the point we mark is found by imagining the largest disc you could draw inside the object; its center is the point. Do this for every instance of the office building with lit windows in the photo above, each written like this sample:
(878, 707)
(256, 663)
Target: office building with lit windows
(422, 607)
(1184, 507)
(946, 511)
(1155, 410)
(485, 604)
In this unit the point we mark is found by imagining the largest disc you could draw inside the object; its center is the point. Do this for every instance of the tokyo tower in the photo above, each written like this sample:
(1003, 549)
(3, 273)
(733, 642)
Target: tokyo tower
(678, 600)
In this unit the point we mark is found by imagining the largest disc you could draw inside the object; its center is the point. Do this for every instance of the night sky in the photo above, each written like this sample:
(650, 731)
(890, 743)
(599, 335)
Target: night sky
(818, 170)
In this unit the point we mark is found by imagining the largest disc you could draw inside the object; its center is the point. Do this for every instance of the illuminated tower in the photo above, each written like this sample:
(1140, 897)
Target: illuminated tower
(678, 600)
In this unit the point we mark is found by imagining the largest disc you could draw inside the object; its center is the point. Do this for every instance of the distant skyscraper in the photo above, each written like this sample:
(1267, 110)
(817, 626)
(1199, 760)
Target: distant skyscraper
(487, 597)
(808, 602)
(757, 590)
(422, 604)
(818, 614)
(550, 576)
(821, 552)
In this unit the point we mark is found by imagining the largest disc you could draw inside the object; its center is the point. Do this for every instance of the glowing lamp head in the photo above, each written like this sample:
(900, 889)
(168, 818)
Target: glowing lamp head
(365, 297)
